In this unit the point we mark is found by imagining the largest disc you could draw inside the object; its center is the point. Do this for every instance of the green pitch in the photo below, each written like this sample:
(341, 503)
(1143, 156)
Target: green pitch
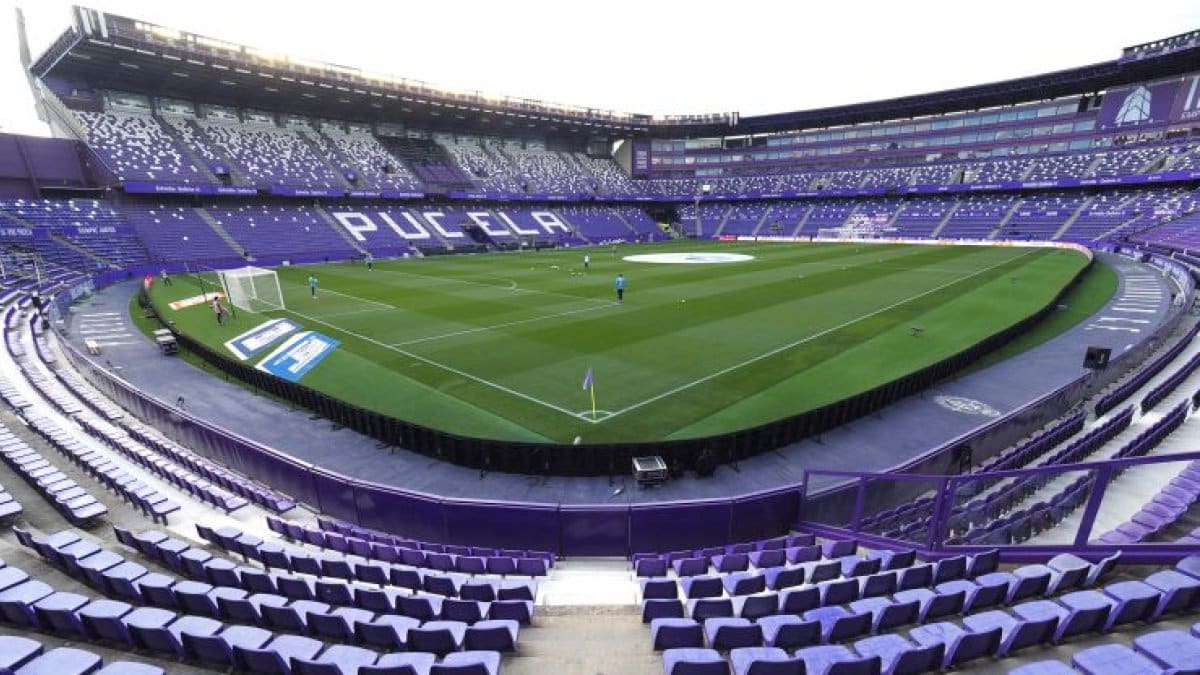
(498, 345)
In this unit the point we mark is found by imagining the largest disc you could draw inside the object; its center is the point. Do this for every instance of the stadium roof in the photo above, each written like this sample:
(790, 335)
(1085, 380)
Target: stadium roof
(118, 53)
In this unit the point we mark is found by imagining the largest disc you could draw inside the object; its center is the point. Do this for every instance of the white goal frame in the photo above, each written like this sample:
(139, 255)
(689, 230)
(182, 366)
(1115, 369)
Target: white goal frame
(253, 289)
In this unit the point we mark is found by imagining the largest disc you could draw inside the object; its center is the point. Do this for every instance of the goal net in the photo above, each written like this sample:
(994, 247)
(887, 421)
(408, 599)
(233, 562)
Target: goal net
(253, 289)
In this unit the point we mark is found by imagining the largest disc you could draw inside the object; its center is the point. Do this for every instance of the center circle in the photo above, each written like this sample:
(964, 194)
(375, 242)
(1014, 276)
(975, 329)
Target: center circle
(695, 258)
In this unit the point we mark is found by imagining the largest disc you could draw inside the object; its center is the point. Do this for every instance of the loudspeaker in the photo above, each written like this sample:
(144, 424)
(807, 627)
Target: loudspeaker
(1096, 358)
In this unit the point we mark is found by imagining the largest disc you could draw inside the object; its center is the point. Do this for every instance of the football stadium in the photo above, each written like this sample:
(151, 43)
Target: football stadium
(313, 370)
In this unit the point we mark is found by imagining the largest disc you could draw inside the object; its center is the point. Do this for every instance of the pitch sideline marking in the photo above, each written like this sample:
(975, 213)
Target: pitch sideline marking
(809, 338)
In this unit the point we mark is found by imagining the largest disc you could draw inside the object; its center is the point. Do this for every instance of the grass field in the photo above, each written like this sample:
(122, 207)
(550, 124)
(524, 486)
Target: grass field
(497, 345)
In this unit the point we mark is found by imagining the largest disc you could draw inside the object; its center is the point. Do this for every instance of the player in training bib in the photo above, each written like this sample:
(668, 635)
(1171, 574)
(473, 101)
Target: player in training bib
(312, 285)
(619, 286)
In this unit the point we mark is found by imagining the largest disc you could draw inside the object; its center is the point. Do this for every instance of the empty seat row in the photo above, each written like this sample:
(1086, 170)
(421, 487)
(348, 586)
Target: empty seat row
(34, 604)
(479, 601)
(347, 538)
(260, 494)
(26, 656)
(150, 501)
(199, 488)
(352, 566)
(74, 502)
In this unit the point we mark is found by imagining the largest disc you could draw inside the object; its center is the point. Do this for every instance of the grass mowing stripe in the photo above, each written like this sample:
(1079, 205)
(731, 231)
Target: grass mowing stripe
(810, 338)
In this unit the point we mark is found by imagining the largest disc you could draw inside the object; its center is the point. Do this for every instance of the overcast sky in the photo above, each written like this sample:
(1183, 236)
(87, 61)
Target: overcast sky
(651, 56)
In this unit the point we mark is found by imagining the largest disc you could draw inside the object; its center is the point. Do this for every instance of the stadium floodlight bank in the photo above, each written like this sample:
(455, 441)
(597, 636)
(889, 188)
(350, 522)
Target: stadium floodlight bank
(253, 289)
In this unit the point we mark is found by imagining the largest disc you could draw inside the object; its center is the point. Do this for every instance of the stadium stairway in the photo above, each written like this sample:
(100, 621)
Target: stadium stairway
(221, 231)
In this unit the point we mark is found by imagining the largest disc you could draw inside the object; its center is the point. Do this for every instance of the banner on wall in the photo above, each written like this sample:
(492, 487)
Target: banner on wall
(297, 355)
(1138, 105)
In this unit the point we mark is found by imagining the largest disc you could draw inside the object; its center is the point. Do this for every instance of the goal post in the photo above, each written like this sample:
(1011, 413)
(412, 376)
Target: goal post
(253, 289)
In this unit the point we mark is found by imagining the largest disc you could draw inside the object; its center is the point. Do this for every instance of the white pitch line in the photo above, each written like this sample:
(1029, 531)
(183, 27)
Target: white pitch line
(810, 338)
(436, 364)
(344, 295)
(481, 329)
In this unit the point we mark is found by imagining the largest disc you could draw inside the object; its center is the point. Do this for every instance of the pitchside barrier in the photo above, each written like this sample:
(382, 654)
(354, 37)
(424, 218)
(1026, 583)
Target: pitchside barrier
(570, 529)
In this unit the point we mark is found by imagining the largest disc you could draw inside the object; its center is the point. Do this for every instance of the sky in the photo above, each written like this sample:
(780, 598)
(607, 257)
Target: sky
(649, 56)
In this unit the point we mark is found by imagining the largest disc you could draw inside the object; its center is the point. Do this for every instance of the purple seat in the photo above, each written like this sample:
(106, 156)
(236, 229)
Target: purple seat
(102, 620)
(881, 583)
(292, 617)
(1015, 634)
(764, 661)
(901, 657)
(422, 607)
(779, 578)
(802, 554)
(703, 587)
(1071, 622)
(949, 569)
(466, 611)
(838, 623)
(693, 661)
(57, 612)
(1172, 649)
(887, 614)
(690, 567)
(707, 608)
(839, 592)
(492, 635)
(983, 563)
(744, 583)
(837, 660)
(933, 605)
(757, 605)
(661, 609)
(658, 588)
(788, 631)
(502, 565)
(218, 649)
(388, 632)
(16, 651)
(468, 663)
(981, 593)
(1181, 592)
(1133, 600)
(1043, 668)
(130, 668)
(839, 548)
(961, 646)
(1113, 659)
(62, 661)
(725, 633)
(336, 660)
(411, 663)
(768, 558)
(732, 562)
(799, 600)
(669, 633)
(650, 567)
(915, 576)
(275, 658)
(338, 624)
(16, 602)
(437, 637)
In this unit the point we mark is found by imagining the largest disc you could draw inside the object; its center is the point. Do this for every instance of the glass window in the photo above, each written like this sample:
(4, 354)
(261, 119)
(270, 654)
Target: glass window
(1048, 111)
(971, 121)
(1063, 128)
(939, 125)
(922, 127)
(1058, 147)
(877, 131)
(1081, 144)
(907, 128)
(1084, 125)
(989, 118)
(1026, 114)
(1008, 116)
(956, 123)
(1067, 109)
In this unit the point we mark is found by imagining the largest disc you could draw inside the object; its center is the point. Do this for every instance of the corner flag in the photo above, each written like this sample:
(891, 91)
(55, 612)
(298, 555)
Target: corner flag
(589, 385)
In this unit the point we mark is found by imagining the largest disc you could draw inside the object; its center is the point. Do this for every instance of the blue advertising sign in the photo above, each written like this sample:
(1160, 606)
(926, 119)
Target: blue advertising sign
(260, 337)
(298, 355)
